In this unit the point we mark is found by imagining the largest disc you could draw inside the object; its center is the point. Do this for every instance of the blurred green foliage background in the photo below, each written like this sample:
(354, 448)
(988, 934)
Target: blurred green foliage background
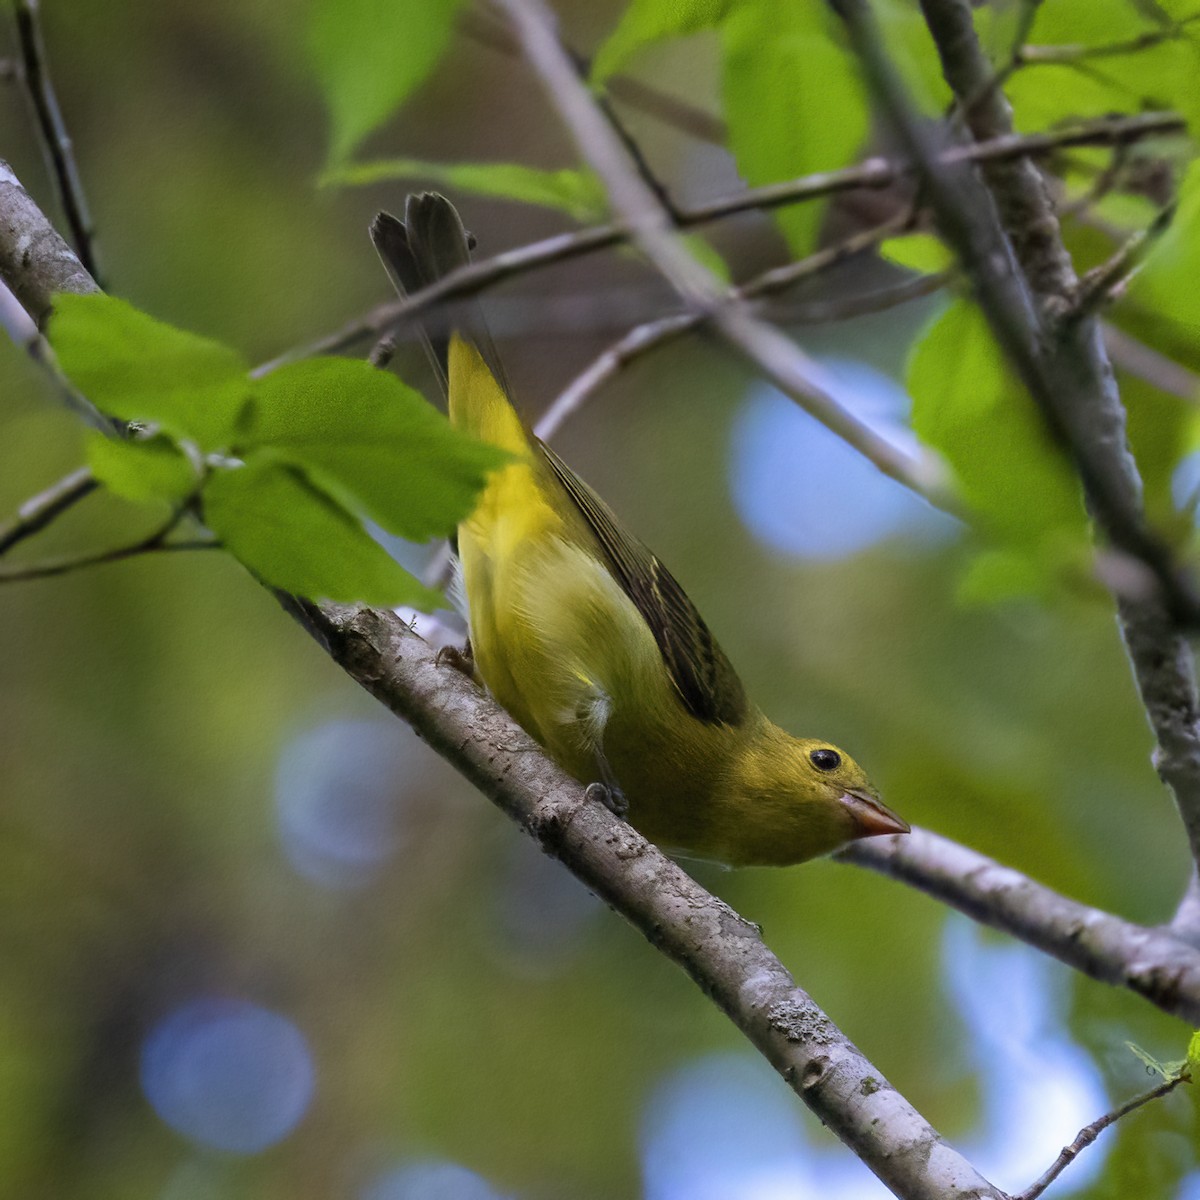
(461, 998)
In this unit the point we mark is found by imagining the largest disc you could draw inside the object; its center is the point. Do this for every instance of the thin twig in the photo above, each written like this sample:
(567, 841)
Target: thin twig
(859, 304)
(872, 173)
(39, 511)
(670, 110)
(1104, 283)
(60, 151)
(154, 544)
(651, 229)
(654, 335)
(1089, 1133)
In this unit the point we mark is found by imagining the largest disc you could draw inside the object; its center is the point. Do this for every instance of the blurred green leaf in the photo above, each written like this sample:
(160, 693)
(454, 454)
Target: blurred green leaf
(372, 442)
(1134, 72)
(142, 470)
(576, 192)
(1161, 429)
(918, 252)
(1167, 281)
(793, 101)
(1193, 1052)
(136, 368)
(645, 22)
(370, 55)
(912, 49)
(294, 535)
(968, 406)
(704, 252)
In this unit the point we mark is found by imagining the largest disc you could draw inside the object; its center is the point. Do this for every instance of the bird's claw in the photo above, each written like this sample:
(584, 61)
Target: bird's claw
(461, 658)
(611, 797)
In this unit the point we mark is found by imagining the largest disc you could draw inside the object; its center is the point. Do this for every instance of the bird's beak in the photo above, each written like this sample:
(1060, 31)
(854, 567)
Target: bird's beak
(871, 818)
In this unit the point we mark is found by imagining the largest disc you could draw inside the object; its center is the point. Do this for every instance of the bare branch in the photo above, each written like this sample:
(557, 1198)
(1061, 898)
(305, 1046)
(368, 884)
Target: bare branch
(651, 229)
(1089, 1133)
(39, 511)
(60, 152)
(1153, 963)
(871, 173)
(655, 334)
(670, 110)
(1062, 363)
(153, 544)
(1104, 284)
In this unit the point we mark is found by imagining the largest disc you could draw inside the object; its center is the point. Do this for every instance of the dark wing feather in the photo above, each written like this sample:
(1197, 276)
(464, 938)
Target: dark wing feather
(705, 679)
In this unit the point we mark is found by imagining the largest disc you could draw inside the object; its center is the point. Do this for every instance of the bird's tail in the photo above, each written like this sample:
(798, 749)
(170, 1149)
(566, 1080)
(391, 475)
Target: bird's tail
(427, 245)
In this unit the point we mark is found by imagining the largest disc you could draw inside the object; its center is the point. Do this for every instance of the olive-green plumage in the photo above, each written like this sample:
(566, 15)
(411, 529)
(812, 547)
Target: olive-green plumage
(591, 644)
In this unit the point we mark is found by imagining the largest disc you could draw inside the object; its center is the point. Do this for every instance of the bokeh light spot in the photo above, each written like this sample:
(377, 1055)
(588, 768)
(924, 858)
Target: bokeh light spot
(228, 1074)
(338, 797)
(804, 492)
(1039, 1087)
(430, 1179)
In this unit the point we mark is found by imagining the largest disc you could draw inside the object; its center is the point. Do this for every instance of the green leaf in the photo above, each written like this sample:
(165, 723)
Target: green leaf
(372, 442)
(370, 55)
(1167, 281)
(1130, 76)
(793, 100)
(1193, 1052)
(138, 369)
(648, 21)
(918, 252)
(577, 193)
(1168, 1070)
(911, 47)
(969, 407)
(293, 535)
(144, 469)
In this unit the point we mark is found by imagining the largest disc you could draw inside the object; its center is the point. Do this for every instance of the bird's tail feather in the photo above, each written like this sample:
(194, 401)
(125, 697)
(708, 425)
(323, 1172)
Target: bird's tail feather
(427, 245)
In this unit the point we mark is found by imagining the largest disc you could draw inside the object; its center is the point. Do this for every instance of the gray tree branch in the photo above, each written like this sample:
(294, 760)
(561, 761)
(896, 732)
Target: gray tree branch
(722, 952)
(1026, 287)
(1153, 963)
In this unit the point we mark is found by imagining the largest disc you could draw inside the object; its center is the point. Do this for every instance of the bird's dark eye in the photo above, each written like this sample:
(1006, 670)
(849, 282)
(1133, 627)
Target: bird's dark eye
(826, 760)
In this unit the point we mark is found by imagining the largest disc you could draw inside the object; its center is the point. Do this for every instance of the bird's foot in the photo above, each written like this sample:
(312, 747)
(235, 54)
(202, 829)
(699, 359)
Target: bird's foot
(611, 797)
(460, 658)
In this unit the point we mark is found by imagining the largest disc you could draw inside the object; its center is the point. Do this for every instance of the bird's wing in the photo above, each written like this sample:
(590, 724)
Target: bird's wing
(705, 679)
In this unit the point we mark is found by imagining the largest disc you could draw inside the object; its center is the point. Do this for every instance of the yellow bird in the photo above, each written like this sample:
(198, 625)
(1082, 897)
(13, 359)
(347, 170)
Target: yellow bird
(588, 641)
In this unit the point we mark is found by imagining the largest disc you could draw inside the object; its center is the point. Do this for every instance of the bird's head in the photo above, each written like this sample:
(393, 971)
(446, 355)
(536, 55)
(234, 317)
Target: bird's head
(804, 798)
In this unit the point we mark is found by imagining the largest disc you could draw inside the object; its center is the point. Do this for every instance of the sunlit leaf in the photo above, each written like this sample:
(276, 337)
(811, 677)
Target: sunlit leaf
(294, 535)
(370, 55)
(793, 100)
(1136, 69)
(575, 192)
(645, 22)
(918, 252)
(143, 469)
(968, 406)
(372, 442)
(136, 368)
